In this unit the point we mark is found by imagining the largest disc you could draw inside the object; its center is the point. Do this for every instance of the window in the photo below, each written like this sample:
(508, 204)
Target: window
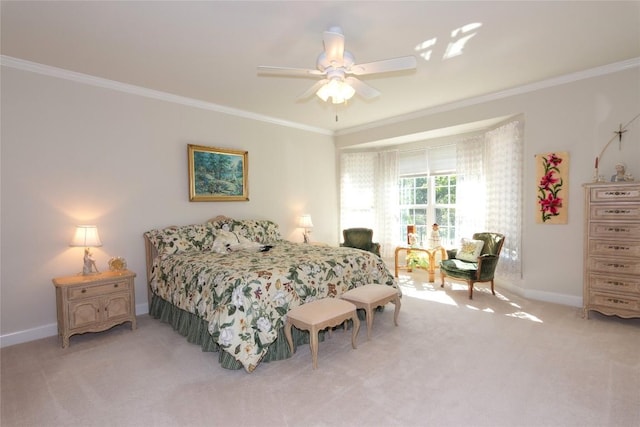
(425, 200)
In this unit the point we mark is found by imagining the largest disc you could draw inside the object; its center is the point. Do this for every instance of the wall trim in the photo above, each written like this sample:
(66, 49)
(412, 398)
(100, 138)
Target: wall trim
(46, 331)
(47, 70)
(61, 73)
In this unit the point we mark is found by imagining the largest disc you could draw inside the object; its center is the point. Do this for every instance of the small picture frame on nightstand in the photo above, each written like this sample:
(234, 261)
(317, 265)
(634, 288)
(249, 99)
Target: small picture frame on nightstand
(117, 264)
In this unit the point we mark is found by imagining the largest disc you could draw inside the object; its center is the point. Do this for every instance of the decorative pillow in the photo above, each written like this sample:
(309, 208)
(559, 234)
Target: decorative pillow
(258, 230)
(173, 240)
(470, 250)
(229, 241)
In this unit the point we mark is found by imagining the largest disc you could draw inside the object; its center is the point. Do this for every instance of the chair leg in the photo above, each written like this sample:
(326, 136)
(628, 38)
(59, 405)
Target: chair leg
(442, 279)
(492, 290)
(470, 290)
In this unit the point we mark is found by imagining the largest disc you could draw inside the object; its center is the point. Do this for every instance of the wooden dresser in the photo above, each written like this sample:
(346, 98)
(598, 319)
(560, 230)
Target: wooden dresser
(612, 249)
(94, 302)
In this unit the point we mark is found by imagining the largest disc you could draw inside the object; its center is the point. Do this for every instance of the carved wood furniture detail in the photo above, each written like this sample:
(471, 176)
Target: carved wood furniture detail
(318, 315)
(94, 303)
(612, 249)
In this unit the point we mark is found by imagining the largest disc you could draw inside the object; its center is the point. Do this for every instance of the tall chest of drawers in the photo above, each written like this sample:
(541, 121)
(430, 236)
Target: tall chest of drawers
(612, 249)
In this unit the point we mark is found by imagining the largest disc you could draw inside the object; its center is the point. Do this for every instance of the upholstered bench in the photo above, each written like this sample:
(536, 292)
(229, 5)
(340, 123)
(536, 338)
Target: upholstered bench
(369, 297)
(318, 315)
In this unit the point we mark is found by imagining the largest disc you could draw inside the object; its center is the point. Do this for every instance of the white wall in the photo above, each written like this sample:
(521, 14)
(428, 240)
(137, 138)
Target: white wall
(77, 154)
(73, 153)
(579, 117)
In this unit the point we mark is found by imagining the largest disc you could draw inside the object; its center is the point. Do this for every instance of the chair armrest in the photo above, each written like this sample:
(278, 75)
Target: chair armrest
(486, 266)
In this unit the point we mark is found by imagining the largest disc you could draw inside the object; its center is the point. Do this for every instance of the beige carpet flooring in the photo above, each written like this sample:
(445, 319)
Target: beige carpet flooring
(494, 361)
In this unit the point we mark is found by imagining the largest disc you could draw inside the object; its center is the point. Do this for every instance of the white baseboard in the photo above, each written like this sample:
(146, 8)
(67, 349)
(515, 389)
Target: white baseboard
(47, 331)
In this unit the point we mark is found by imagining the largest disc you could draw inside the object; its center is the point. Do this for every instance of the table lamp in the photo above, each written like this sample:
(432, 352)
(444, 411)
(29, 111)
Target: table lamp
(305, 222)
(86, 236)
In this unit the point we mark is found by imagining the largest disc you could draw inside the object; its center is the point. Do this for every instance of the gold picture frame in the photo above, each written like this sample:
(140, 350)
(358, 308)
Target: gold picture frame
(217, 174)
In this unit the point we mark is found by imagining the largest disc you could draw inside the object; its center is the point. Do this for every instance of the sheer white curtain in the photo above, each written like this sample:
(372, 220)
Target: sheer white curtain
(387, 199)
(470, 191)
(504, 182)
(369, 195)
(489, 193)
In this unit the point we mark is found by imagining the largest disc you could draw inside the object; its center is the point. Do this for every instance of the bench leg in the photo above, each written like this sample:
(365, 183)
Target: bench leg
(356, 328)
(287, 333)
(396, 302)
(313, 343)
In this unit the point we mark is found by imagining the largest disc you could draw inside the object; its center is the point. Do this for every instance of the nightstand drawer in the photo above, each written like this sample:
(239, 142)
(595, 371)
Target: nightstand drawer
(615, 248)
(96, 290)
(616, 212)
(614, 230)
(614, 265)
(621, 194)
(620, 284)
(625, 303)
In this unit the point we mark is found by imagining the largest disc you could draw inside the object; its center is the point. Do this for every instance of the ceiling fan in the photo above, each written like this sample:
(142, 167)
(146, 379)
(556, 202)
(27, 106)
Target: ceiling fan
(337, 68)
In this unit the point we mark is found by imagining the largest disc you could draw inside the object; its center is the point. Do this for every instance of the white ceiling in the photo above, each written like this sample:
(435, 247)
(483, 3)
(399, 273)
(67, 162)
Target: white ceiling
(209, 50)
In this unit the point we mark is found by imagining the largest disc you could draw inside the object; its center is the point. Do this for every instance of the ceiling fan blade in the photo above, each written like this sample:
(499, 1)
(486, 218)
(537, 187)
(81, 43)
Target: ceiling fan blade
(334, 45)
(313, 89)
(362, 89)
(286, 71)
(384, 66)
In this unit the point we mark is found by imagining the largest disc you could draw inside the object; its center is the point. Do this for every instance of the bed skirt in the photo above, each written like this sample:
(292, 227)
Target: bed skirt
(196, 331)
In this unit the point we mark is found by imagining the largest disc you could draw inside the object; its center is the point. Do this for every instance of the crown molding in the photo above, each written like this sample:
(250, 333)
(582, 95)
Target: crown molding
(61, 73)
(87, 79)
(543, 84)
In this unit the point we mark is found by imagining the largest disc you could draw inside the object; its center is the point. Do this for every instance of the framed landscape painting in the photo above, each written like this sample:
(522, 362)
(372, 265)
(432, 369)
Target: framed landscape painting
(217, 174)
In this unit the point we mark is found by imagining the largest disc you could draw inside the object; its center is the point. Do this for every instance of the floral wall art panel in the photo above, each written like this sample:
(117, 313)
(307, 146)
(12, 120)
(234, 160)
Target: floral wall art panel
(552, 175)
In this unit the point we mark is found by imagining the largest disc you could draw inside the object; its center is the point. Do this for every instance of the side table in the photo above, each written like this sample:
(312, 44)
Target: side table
(94, 303)
(432, 259)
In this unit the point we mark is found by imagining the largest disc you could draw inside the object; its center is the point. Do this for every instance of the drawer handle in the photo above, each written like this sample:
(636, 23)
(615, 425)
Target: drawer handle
(618, 193)
(616, 283)
(84, 291)
(619, 229)
(618, 248)
(617, 301)
(617, 211)
(115, 286)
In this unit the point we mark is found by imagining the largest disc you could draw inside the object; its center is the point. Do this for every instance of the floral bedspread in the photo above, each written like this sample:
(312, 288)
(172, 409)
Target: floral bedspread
(245, 295)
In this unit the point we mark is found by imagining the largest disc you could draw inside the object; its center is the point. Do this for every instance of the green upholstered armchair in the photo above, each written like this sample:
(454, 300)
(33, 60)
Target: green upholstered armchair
(360, 238)
(482, 270)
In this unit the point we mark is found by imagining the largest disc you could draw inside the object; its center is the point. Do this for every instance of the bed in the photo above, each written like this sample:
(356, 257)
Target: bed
(233, 298)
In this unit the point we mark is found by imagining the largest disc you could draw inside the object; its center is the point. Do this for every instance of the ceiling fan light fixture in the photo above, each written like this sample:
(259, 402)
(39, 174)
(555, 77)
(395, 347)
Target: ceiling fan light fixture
(337, 90)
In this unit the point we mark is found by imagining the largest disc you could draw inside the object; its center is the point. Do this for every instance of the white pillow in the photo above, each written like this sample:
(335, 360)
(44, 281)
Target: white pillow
(470, 250)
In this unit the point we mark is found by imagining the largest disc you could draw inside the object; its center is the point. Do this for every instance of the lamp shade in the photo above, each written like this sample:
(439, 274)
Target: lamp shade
(305, 221)
(86, 236)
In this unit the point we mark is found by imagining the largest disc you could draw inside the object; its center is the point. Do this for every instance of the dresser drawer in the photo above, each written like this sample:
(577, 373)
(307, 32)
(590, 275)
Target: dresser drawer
(91, 291)
(613, 194)
(614, 301)
(629, 212)
(618, 248)
(614, 265)
(616, 231)
(619, 284)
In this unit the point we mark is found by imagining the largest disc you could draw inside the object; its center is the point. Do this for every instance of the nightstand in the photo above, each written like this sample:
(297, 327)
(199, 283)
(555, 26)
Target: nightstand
(94, 303)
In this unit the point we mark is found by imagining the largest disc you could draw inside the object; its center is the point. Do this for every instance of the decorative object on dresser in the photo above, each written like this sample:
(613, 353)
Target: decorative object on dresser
(94, 303)
(217, 174)
(618, 135)
(86, 236)
(612, 249)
